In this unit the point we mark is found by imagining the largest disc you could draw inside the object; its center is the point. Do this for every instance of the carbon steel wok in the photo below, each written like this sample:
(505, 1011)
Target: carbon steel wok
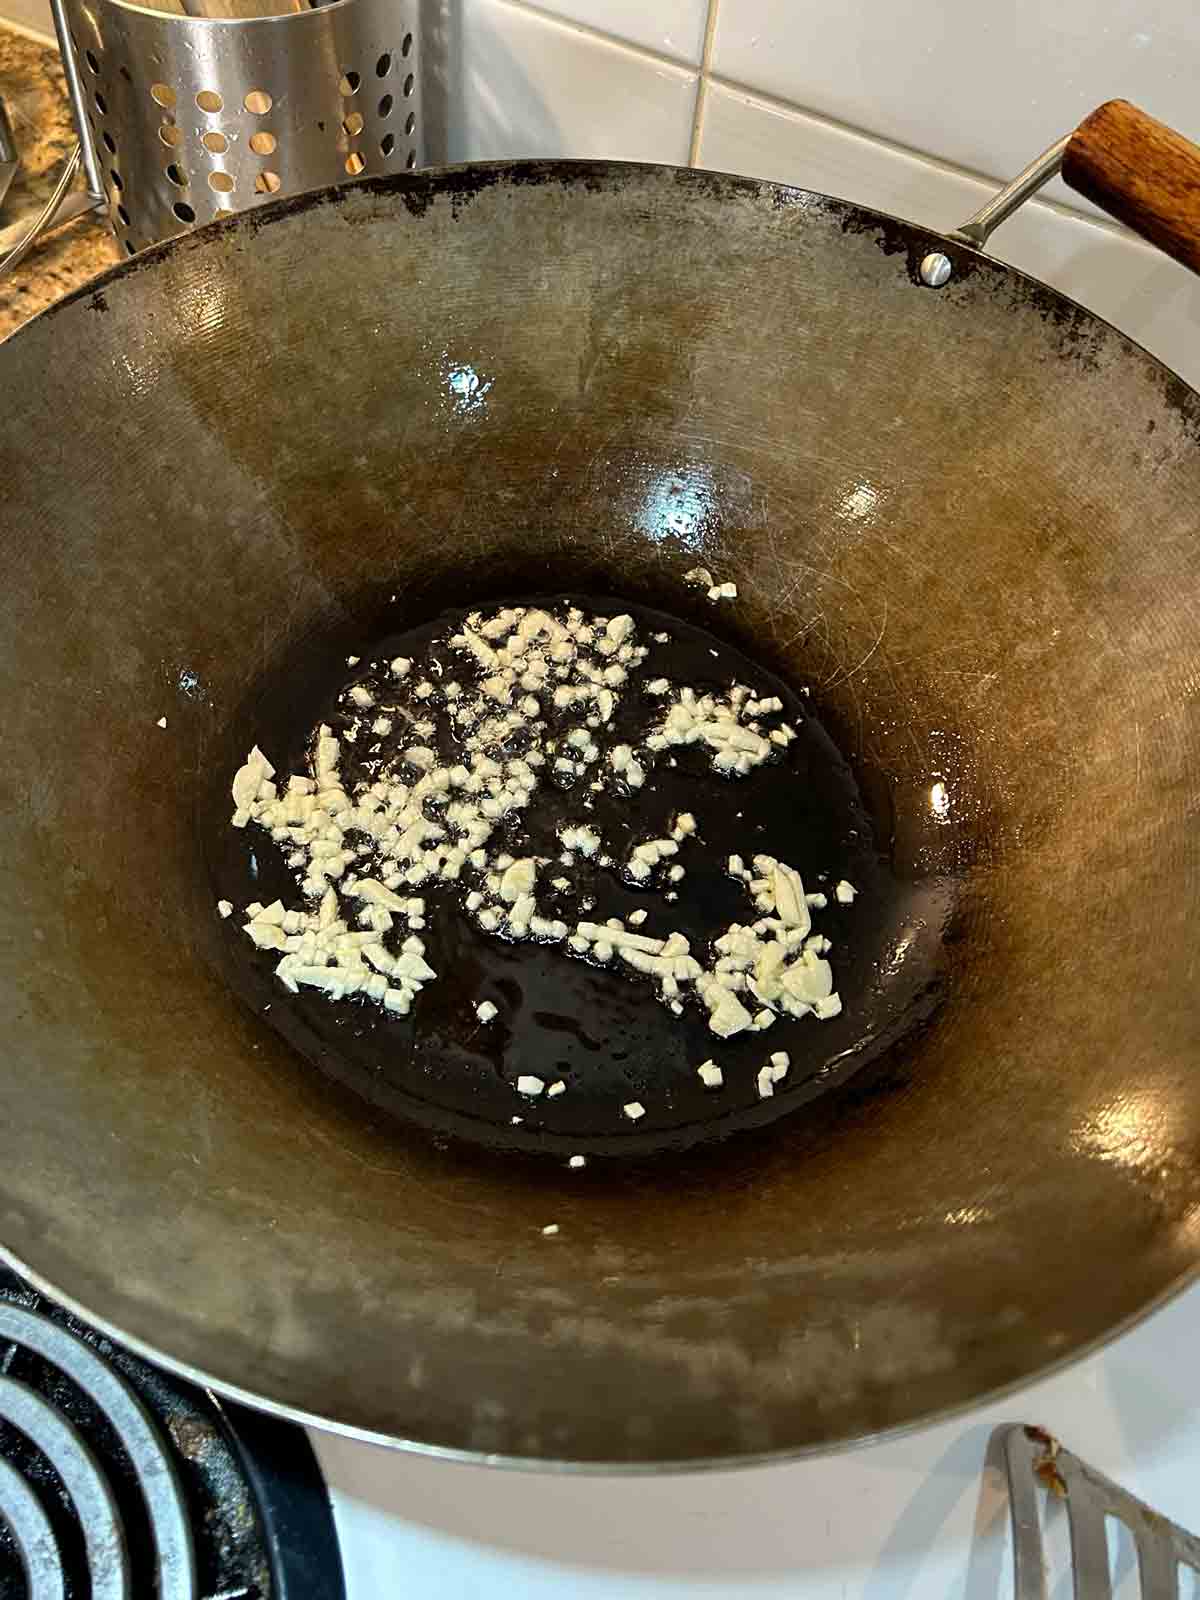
(967, 516)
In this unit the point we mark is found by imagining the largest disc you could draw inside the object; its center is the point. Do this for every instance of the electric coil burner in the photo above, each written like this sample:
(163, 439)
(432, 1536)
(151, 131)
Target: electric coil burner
(119, 1482)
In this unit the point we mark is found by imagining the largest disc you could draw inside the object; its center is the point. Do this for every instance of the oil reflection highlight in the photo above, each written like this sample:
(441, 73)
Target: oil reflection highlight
(679, 505)
(1134, 1131)
(466, 389)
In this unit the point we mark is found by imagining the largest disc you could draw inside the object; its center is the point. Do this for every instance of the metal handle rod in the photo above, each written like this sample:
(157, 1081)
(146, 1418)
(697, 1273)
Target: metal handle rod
(19, 251)
(976, 230)
(78, 204)
(87, 145)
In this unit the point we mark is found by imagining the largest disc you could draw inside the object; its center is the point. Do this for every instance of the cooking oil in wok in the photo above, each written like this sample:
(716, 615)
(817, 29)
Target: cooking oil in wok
(505, 1011)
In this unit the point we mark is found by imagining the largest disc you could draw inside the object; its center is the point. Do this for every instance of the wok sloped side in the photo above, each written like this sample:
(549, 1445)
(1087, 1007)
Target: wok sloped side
(967, 518)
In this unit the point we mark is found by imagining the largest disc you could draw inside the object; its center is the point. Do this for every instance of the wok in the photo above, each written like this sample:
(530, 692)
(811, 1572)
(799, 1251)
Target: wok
(966, 516)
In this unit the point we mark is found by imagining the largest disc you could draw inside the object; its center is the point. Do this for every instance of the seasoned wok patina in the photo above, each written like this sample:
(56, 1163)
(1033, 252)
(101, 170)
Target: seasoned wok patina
(966, 516)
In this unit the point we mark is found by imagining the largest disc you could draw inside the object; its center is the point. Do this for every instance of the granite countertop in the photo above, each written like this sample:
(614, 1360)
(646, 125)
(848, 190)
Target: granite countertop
(32, 84)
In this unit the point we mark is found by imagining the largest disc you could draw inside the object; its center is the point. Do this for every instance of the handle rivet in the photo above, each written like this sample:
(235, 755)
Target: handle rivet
(935, 269)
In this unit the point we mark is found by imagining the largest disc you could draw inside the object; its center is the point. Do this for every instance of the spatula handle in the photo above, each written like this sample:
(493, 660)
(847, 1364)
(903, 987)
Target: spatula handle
(1142, 173)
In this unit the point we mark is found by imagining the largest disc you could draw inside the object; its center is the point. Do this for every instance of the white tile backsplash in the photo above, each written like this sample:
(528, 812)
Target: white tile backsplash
(986, 84)
(526, 85)
(670, 27)
(1134, 286)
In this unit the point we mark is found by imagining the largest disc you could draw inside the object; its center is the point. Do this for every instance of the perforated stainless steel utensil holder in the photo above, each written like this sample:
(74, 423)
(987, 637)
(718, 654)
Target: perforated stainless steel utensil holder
(183, 119)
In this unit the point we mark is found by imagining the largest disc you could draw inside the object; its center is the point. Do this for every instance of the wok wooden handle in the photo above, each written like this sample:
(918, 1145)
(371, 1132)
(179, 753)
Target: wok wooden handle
(1142, 173)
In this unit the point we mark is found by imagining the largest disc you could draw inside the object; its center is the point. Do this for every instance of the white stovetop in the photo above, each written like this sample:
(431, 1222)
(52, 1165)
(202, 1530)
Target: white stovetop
(900, 1519)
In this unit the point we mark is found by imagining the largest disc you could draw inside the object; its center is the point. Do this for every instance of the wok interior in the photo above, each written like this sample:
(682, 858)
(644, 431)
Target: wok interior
(966, 517)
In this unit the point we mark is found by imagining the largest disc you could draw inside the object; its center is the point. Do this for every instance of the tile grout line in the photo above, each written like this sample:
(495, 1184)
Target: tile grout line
(710, 32)
(570, 25)
(776, 102)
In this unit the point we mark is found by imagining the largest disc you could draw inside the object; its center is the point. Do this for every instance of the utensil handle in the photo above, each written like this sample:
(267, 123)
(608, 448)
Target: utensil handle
(87, 139)
(1142, 173)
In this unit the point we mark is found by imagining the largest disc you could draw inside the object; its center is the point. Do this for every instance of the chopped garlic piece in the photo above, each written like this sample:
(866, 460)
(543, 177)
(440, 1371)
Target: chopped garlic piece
(247, 782)
(550, 1229)
(527, 1084)
(711, 1075)
(584, 840)
(845, 892)
(634, 1110)
(377, 894)
(790, 901)
(485, 1011)
(727, 1015)
(627, 766)
(225, 907)
(518, 880)
(577, 1161)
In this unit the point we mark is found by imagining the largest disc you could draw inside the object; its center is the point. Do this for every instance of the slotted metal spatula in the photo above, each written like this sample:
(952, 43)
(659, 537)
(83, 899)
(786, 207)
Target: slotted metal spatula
(1035, 1463)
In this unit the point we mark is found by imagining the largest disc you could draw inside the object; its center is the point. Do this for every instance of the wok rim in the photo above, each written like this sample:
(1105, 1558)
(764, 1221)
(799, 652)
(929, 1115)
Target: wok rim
(440, 177)
(560, 1466)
